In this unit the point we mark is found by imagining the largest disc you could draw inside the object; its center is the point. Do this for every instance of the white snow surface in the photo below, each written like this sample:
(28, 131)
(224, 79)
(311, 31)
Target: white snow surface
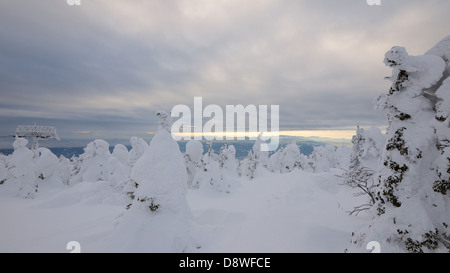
(291, 212)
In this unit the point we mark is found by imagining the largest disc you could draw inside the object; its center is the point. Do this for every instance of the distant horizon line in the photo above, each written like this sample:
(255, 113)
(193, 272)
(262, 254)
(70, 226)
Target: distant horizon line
(339, 134)
(313, 136)
(328, 136)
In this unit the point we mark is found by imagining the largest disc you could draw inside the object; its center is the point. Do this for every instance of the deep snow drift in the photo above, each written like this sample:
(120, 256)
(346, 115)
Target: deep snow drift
(292, 212)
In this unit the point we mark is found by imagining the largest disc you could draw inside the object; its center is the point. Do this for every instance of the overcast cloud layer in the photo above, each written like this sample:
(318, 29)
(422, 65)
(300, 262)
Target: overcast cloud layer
(104, 68)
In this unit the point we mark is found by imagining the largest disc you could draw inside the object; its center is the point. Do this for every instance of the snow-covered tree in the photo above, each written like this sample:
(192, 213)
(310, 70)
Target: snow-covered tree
(304, 162)
(47, 166)
(157, 218)
(214, 176)
(93, 163)
(211, 153)
(193, 160)
(409, 215)
(22, 169)
(442, 125)
(118, 168)
(3, 168)
(322, 158)
(138, 147)
(276, 160)
(405, 106)
(360, 175)
(287, 158)
(342, 157)
(358, 142)
(161, 174)
(262, 157)
(64, 169)
(227, 160)
(364, 159)
(117, 172)
(75, 166)
(121, 153)
(442, 120)
(247, 166)
(211, 173)
(50, 168)
(207, 169)
(217, 171)
(256, 161)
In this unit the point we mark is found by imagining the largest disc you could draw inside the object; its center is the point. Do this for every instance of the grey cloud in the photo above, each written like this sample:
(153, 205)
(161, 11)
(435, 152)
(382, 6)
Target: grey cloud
(113, 63)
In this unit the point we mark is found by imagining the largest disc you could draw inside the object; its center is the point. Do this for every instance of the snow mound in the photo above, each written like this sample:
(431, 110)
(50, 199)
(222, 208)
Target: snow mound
(158, 218)
(161, 174)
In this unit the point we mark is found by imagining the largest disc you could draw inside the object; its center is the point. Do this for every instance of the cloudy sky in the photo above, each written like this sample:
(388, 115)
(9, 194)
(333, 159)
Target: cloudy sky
(102, 69)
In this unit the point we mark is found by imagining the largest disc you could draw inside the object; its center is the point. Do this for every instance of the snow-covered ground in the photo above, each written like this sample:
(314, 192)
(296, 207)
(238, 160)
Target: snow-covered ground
(293, 212)
(297, 211)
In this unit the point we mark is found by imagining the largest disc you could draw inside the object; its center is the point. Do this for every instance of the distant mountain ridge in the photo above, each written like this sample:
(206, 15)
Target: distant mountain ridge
(306, 145)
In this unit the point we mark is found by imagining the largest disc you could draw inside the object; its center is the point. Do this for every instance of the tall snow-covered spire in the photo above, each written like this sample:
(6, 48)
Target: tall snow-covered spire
(158, 216)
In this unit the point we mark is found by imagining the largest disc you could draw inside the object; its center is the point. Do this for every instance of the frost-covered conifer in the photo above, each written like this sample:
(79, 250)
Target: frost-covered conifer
(442, 125)
(3, 168)
(256, 161)
(47, 165)
(261, 157)
(227, 160)
(92, 165)
(287, 158)
(118, 172)
(247, 166)
(64, 169)
(193, 160)
(409, 215)
(212, 171)
(361, 170)
(22, 169)
(121, 153)
(366, 150)
(322, 158)
(138, 147)
(157, 218)
(160, 173)
(442, 120)
(409, 112)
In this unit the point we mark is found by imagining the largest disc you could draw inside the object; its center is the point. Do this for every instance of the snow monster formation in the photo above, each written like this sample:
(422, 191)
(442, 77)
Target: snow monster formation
(158, 218)
(412, 196)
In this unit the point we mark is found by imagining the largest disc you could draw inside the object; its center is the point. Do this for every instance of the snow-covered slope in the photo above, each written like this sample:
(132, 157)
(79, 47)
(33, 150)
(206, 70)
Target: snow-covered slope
(293, 212)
